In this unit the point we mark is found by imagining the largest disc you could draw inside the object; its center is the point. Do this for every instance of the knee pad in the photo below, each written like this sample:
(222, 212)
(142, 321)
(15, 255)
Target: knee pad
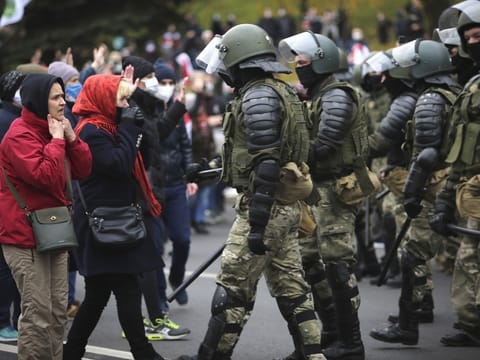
(219, 301)
(288, 305)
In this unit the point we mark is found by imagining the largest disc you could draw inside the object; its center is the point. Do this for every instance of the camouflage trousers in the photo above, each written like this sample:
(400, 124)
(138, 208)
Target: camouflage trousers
(334, 237)
(281, 266)
(465, 290)
(423, 243)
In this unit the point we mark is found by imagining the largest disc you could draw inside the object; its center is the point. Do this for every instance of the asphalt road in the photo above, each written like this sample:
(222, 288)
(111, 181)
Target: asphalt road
(265, 336)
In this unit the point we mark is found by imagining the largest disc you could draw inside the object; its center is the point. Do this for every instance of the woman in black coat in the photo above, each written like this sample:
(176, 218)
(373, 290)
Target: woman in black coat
(118, 179)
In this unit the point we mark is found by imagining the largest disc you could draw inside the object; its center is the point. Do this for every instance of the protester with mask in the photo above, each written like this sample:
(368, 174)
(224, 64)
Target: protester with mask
(175, 157)
(10, 109)
(33, 154)
(458, 201)
(158, 123)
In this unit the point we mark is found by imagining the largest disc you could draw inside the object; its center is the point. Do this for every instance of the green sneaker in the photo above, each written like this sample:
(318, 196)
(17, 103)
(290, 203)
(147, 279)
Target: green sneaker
(151, 333)
(167, 328)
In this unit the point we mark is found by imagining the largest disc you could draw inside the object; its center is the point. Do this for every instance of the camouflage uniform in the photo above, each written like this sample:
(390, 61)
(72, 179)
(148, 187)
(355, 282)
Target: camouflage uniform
(465, 287)
(265, 132)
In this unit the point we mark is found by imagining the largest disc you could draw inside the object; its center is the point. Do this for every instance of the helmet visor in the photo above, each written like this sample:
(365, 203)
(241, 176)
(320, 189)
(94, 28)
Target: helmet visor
(449, 36)
(380, 62)
(464, 4)
(211, 57)
(407, 54)
(303, 44)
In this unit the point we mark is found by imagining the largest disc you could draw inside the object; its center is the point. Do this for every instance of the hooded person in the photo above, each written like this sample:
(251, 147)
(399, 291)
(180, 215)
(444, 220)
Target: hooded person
(33, 154)
(10, 83)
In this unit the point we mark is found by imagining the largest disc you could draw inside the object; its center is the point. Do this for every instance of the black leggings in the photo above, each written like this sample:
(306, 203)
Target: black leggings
(98, 288)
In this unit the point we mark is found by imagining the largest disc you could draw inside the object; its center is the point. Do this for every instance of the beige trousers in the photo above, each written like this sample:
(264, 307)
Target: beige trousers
(42, 282)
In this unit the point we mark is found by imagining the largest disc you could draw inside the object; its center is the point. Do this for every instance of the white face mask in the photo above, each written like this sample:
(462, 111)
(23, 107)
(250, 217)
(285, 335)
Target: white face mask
(17, 98)
(151, 85)
(165, 92)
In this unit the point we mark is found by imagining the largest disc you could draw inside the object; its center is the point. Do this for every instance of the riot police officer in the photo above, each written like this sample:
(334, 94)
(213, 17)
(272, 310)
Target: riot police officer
(265, 132)
(427, 63)
(460, 193)
(337, 156)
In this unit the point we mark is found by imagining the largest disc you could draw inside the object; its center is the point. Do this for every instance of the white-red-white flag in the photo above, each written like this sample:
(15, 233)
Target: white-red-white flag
(13, 12)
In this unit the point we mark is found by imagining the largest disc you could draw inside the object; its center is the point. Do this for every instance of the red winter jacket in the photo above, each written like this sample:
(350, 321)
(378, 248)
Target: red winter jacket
(34, 163)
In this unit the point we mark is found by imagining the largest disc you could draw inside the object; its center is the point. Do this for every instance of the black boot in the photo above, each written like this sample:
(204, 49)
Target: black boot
(328, 318)
(406, 330)
(424, 313)
(287, 307)
(349, 345)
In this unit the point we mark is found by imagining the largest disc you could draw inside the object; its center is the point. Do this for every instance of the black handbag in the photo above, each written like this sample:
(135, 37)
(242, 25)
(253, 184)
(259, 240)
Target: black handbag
(52, 227)
(116, 228)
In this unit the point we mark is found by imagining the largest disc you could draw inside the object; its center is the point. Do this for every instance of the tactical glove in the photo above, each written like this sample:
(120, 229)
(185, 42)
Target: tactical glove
(443, 215)
(255, 242)
(412, 207)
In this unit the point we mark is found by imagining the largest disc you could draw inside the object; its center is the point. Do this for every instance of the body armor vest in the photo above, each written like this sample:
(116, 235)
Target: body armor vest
(465, 136)
(237, 162)
(354, 151)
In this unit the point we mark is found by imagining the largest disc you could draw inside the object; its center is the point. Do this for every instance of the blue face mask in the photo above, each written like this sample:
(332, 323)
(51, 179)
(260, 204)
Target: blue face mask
(72, 91)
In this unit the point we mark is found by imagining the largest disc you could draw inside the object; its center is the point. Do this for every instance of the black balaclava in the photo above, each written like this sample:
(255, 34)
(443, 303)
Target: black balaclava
(307, 76)
(395, 86)
(35, 92)
(372, 83)
(465, 68)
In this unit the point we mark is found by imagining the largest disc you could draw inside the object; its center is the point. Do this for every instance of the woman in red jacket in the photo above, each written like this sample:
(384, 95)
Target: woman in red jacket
(32, 155)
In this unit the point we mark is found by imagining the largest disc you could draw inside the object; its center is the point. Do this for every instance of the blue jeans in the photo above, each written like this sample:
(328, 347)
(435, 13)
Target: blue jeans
(176, 220)
(200, 203)
(9, 295)
(72, 278)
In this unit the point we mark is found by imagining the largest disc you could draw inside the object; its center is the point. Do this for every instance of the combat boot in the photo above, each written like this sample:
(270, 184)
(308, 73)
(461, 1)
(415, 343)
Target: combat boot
(406, 330)
(424, 313)
(349, 345)
(327, 315)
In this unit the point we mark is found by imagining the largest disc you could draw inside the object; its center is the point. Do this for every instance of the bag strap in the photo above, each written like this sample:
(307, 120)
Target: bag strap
(15, 193)
(82, 199)
(18, 197)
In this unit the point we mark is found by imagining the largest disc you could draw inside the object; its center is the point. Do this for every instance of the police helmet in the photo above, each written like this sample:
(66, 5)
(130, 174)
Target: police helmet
(320, 49)
(470, 17)
(245, 45)
(420, 58)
